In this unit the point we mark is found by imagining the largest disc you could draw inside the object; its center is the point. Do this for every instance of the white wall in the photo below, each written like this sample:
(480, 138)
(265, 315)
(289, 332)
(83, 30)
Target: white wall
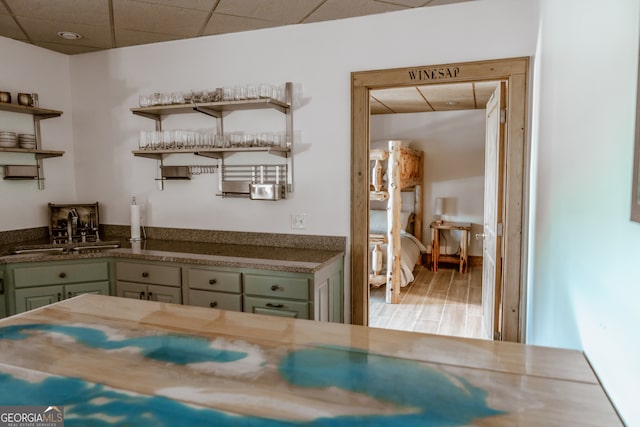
(453, 145)
(583, 284)
(317, 57)
(26, 68)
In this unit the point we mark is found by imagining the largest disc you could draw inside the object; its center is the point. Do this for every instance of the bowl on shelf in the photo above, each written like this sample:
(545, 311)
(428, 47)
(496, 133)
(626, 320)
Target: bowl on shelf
(27, 145)
(8, 139)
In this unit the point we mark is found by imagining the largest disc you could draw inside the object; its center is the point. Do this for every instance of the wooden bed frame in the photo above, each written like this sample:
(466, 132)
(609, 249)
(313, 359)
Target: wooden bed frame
(404, 173)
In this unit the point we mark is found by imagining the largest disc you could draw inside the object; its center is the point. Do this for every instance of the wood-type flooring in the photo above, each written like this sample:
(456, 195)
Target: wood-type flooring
(445, 303)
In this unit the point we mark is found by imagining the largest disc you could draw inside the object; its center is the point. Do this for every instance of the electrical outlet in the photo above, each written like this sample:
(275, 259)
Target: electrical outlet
(299, 221)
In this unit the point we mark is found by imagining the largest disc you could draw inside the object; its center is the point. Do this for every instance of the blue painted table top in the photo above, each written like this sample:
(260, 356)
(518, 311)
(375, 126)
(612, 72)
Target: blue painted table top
(115, 362)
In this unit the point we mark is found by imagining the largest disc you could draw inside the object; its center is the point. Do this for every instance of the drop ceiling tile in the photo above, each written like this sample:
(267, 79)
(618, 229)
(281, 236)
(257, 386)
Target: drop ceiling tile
(40, 30)
(221, 24)
(132, 38)
(154, 18)
(339, 9)
(375, 107)
(402, 100)
(204, 5)
(280, 11)
(69, 49)
(453, 96)
(484, 90)
(89, 12)
(8, 28)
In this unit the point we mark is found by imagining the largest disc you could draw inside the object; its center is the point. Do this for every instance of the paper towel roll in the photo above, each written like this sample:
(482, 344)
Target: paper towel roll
(135, 222)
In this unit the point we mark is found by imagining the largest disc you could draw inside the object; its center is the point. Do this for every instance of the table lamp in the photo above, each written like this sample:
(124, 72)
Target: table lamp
(439, 210)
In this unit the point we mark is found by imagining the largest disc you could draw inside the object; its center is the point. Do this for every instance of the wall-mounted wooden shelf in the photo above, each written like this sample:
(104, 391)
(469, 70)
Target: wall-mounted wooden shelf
(38, 114)
(40, 154)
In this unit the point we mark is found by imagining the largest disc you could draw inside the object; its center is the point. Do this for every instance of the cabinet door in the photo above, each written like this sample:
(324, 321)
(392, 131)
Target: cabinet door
(220, 300)
(131, 290)
(30, 298)
(101, 288)
(276, 307)
(168, 294)
(3, 290)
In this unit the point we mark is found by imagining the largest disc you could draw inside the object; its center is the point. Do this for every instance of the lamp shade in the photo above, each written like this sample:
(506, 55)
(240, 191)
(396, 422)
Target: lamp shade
(439, 208)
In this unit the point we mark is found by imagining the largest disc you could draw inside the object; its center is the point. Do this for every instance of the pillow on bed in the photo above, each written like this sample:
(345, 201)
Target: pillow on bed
(378, 221)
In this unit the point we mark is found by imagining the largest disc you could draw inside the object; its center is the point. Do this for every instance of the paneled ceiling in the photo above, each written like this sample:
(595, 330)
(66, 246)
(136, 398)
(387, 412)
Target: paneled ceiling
(106, 24)
(435, 97)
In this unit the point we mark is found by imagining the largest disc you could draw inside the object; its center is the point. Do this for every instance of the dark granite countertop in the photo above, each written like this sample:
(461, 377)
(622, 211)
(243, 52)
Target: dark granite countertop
(301, 260)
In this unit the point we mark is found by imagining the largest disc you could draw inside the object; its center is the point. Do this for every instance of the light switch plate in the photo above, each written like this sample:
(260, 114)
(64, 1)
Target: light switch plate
(298, 221)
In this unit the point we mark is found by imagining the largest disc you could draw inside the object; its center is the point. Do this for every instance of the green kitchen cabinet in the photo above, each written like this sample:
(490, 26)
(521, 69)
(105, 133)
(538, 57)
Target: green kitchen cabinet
(3, 292)
(153, 281)
(214, 287)
(315, 296)
(33, 285)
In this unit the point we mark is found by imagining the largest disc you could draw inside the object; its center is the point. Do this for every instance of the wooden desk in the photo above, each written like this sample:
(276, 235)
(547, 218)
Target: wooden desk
(462, 260)
(135, 362)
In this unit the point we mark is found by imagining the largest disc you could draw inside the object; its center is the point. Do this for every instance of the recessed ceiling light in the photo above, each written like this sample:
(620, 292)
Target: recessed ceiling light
(69, 35)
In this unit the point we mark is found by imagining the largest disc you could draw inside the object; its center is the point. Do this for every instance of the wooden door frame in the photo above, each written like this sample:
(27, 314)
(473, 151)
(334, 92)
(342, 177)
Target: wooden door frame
(515, 72)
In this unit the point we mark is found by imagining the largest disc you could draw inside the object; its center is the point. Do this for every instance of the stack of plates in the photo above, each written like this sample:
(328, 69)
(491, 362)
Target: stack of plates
(8, 139)
(27, 140)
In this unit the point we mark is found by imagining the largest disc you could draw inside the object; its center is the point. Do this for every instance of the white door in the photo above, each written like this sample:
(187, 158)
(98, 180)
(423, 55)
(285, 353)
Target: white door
(493, 186)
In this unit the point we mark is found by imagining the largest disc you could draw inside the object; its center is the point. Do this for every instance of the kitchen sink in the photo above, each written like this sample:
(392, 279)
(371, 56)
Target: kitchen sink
(66, 249)
(38, 250)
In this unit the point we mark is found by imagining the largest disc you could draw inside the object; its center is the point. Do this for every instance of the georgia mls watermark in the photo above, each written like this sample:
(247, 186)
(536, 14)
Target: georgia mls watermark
(31, 416)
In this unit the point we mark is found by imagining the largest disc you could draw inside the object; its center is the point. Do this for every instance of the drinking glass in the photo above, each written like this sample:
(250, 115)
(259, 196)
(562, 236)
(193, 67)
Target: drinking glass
(252, 91)
(239, 93)
(143, 140)
(144, 100)
(264, 90)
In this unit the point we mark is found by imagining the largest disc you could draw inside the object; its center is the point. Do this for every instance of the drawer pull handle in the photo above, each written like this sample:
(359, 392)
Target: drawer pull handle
(150, 296)
(59, 296)
(145, 274)
(69, 294)
(212, 281)
(141, 295)
(62, 275)
(213, 304)
(275, 287)
(1, 286)
(275, 305)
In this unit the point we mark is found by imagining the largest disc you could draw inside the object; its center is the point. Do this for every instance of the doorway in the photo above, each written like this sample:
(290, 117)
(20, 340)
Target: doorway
(514, 72)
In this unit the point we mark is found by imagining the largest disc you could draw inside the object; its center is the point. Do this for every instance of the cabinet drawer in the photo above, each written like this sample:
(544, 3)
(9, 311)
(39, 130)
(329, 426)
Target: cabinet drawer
(276, 307)
(168, 275)
(213, 280)
(215, 300)
(60, 274)
(277, 286)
